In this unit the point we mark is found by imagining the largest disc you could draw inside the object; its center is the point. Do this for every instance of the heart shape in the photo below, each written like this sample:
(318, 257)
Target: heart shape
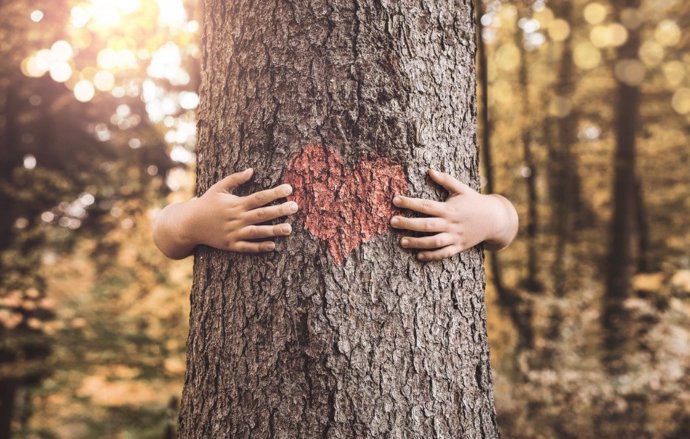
(344, 206)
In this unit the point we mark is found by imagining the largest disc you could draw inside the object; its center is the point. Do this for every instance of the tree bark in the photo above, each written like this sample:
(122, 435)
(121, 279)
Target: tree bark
(340, 332)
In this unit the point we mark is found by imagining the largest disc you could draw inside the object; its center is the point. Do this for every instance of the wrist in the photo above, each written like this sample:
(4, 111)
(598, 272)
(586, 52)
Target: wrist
(186, 235)
(503, 222)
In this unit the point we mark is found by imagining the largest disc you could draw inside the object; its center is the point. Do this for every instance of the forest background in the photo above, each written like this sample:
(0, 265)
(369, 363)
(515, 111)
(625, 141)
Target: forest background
(584, 109)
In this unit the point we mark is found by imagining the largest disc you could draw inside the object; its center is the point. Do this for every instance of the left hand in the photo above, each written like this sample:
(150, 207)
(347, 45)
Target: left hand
(464, 220)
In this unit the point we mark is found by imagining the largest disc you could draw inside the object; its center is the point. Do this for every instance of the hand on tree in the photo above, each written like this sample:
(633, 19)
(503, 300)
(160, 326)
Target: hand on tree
(222, 220)
(464, 220)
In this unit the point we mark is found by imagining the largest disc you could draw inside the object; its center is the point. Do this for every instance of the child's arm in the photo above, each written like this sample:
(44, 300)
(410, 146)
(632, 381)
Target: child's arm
(464, 220)
(222, 220)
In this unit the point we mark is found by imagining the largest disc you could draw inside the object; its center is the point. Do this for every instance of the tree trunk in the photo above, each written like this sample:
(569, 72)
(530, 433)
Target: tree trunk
(644, 263)
(618, 276)
(340, 332)
(562, 163)
(485, 147)
(8, 390)
(531, 282)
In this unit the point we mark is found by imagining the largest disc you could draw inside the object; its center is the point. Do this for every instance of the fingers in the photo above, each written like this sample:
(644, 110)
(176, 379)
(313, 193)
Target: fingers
(429, 207)
(261, 198)
(439, 254)
(419, 224)
(230, 182)
(427, 242)
(271, 212)
(255, 232)
(450, 183)
(252, 247)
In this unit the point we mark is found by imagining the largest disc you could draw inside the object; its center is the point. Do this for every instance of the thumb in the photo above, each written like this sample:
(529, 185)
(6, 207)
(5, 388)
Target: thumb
(229, 183)
(450, 183)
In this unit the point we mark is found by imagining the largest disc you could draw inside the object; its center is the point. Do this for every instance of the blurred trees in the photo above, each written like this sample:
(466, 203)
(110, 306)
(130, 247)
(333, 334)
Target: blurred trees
(554, 71)
(83, 156)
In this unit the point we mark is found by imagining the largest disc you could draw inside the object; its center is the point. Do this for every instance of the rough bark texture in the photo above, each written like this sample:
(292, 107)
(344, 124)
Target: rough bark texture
(311, 341)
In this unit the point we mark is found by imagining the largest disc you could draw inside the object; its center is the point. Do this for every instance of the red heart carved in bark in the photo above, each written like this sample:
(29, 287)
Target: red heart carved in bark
(345, 207)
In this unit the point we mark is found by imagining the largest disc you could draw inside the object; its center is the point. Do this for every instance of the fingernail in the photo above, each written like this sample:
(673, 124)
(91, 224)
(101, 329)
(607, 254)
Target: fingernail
(396, 200)
(404, 241)
(395, 220)
(287, 189)
(249, 170)
(293, 206)
(287, 229)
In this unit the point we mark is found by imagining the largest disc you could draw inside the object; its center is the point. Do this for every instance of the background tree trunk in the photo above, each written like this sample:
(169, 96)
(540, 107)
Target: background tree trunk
(618, 276)
(322, 338)
(485, 145)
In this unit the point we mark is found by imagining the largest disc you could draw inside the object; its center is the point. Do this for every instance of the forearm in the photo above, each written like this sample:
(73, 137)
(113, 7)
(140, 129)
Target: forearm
(506, 224)
(169, 232)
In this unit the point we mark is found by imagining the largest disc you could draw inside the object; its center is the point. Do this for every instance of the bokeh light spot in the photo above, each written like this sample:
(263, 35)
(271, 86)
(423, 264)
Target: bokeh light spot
(674, 71)
(60, 71)
(544, 16)
(667, 33)
(36, 15)
(681, 101)
(631, 18)
(29, 161)
(651, 53)
(61, 50)
(586, 56)
(508, 57)
(104, 80)
(559, 30)
(630, 72)
(84, 90)
(595, 13)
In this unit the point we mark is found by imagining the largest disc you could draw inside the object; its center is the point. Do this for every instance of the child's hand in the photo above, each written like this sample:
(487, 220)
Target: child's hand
(222, 220)
(464, 220)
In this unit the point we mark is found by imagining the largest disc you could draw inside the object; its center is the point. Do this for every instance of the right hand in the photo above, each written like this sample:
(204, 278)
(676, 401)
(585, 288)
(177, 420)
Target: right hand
(229, 222)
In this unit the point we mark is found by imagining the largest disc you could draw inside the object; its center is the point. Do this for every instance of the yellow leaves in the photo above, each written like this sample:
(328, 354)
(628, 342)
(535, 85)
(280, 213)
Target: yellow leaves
(508, 57)
(9, 319)
(674, 71)
(174, 366)
(559, 30)
(104, 392)
(610, 35)
(586, 56)
(32, 293)
(507, 15)
(680, 282)
(667, 33)
(544, 16)
(651, 53)
(13, 299)
(501, 91)
(656, 282)
(681, 101)
(595, 13)
(649, 282)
